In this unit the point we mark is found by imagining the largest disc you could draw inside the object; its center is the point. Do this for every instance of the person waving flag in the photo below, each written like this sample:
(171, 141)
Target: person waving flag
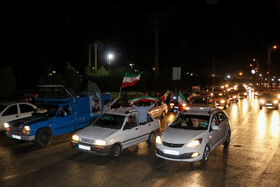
(182, 102)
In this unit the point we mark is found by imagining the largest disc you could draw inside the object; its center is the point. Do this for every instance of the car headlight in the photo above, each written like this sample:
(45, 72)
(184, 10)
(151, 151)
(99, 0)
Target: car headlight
(262, 101)
(75, 137)
(194, 143)
(279, 96)
(275, 101)
(171, 104)
(245, 93)
(6, 125)
(27, 128)
(184, 105)
(234, 97)
(222, 101)
(187, 108)
(99, 142)
(158, 140)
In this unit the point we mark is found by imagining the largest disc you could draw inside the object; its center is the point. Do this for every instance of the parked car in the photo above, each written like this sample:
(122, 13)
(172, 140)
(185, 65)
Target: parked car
(13, 111)
(114, 131)
(160, 110)
(222, 99)
(269, 99)
(193, 135)
(234, 96)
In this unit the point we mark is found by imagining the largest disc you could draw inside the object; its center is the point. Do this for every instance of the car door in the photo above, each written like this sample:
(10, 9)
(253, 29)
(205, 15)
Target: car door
(215, 135)
(131, 132)
(10, 113)
(64, 123)
(25, 110)
(146, 129)
(224, 125)
(155, 111)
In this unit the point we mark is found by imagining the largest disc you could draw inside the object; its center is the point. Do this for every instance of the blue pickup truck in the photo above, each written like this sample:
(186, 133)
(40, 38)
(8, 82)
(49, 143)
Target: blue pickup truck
(54, 116)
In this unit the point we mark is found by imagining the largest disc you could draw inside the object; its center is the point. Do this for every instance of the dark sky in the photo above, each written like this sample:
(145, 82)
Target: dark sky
(193, 33)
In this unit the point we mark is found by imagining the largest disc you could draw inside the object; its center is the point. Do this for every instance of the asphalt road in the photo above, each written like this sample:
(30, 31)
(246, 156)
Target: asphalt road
(252, 159)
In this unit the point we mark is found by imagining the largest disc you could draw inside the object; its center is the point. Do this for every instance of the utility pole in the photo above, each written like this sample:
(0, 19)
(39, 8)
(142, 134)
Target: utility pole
(156, 23)
(89, 55)
(95, 56)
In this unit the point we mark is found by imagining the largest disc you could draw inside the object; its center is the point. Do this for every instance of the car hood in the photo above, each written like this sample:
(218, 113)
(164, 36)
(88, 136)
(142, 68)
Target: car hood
(93, 132)
(180, 136)
(28, 121)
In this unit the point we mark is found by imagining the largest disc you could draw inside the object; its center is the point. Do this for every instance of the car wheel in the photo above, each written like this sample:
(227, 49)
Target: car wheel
(260, 107)
(206, 154)
(43, 137)
(116, 150)
(226, 143)
(151, 139)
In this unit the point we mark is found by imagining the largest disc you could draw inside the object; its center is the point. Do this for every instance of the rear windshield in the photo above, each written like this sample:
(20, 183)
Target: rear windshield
(110, 121)
(194, 122)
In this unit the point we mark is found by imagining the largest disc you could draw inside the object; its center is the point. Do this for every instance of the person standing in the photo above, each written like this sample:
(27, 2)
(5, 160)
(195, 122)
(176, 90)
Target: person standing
(143, 112)
(108, 105)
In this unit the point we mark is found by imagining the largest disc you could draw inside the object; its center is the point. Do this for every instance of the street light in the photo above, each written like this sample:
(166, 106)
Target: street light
(110, 57)
(268, 56)
(131, 65)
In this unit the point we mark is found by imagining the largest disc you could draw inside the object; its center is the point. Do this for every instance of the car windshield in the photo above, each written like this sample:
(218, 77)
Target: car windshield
(111, 121)
(202, 100)
(193, 122)
(268, 95)
(46, 110)
(2, 107)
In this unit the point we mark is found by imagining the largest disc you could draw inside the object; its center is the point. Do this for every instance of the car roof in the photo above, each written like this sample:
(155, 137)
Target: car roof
(7, 103)
(201, 111)
(122, 111)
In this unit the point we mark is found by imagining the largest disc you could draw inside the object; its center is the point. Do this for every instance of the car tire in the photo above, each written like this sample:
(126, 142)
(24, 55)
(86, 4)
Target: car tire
(206, 154)
(260, 107)
(43, 137)
(227, 141)
(151, 139)
(116, 151)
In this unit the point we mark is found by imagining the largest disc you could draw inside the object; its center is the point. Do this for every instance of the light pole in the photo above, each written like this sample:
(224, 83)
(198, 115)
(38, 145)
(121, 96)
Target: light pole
(268, 56)
(110, 57)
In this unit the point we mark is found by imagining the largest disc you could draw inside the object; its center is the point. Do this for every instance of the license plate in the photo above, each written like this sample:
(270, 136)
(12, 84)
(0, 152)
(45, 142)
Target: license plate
(269, 104)
(171, 152)
(84, 147)
(16, 137)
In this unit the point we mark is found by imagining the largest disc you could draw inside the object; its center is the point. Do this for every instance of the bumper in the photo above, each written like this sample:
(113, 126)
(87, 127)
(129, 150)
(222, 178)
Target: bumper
(269, 105)
(21, 137)
(92, 149)
(182, 154)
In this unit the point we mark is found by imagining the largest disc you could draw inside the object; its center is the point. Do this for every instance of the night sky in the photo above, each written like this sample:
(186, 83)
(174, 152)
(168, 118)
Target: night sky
(193, 33)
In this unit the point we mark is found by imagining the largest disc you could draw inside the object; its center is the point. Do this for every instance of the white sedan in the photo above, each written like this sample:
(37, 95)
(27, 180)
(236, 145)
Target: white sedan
(114, 131)
(14, 111)
(193, 135)
(159, 110)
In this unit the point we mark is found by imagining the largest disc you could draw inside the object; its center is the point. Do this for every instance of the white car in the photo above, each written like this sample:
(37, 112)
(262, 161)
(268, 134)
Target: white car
(160, 110)
(193, 135)
(14, 111)
(114, 131)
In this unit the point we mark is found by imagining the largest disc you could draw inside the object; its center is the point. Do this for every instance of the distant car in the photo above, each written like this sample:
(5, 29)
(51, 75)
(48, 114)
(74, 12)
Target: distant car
(160, 110)
(222, 99)
(234, 96)
(201, 101)
(13, 111)
(114, 131)
(242, 93)
(269, 99)
(257, 92)
(193, 135)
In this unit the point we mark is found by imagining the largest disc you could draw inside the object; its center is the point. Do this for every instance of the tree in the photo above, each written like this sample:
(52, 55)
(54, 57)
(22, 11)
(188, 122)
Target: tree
(7, 82)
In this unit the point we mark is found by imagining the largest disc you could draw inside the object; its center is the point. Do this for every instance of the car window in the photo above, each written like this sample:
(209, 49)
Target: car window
(111, 121)
(131, 122)
(221, 116)
(2, 107)
(25, 108)
(149, 118)
(215, 121)
(192, 122)
(12, 110)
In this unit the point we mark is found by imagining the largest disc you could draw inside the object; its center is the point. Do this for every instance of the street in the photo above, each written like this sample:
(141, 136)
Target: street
(252, 159)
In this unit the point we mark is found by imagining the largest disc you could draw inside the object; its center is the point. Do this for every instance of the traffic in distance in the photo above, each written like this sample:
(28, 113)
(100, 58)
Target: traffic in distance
(201, 125)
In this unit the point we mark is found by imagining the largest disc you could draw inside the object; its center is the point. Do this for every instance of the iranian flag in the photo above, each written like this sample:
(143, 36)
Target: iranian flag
(165, 95)
(182, 102)
(143, 98)
(130, 79)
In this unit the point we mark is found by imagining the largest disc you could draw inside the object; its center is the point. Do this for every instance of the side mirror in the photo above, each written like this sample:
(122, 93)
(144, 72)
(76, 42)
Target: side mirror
(168, 123)
(215, 128)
